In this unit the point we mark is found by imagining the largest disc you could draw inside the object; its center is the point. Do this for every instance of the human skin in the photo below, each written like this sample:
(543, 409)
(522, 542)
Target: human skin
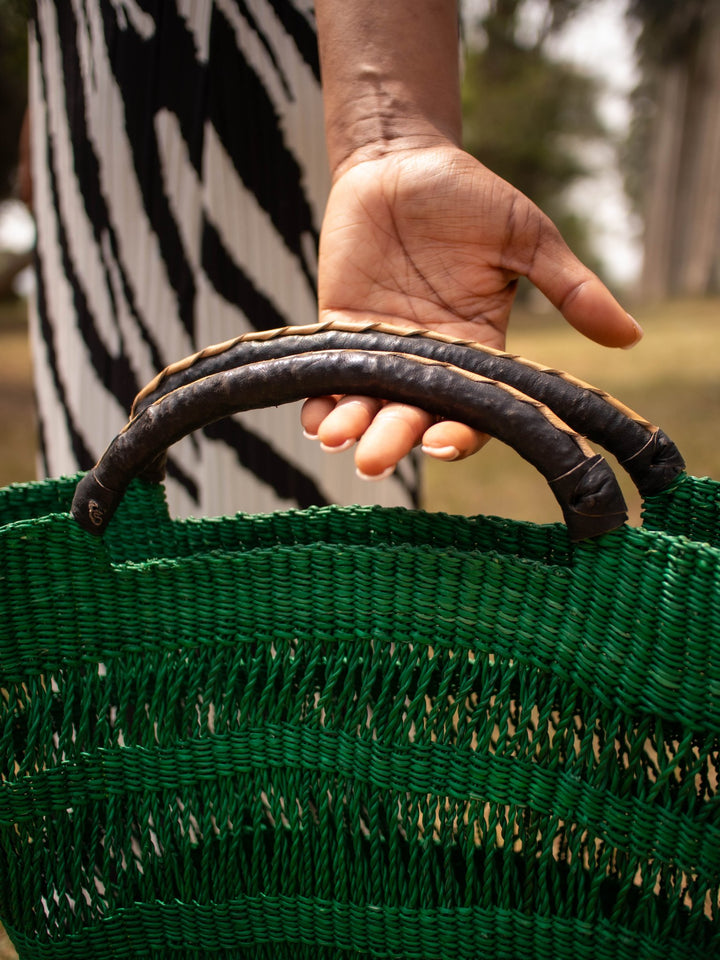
(416, 231)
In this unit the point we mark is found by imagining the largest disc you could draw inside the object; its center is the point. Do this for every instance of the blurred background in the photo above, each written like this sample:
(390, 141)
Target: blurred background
(607, 114)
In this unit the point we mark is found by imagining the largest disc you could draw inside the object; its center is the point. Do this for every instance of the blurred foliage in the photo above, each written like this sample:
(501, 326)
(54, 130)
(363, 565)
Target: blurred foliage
(13, 86)
(503, 18)
(526, 115)
(669, 30)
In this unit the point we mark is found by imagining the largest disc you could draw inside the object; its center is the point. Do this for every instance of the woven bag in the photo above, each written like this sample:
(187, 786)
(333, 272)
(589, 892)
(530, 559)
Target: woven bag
(362, 731)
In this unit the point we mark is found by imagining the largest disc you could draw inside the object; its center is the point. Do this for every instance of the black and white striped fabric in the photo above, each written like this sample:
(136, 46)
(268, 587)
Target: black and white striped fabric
(179, 182)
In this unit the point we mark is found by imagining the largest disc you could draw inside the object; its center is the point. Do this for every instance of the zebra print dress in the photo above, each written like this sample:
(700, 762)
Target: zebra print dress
(179, 179)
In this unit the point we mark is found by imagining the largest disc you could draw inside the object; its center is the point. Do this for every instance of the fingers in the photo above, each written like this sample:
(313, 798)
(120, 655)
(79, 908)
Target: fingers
(584, 301)
(393, 433)
(449, 440)
(314, 412)
(338, 423)
(385, 433)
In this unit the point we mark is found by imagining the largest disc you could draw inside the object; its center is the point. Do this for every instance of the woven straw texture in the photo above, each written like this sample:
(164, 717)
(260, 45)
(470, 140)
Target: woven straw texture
(358, 732)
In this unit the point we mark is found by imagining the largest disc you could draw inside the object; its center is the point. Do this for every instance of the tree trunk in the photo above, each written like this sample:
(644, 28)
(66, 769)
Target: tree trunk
(661, 185)
(699, 214)
(682, 212)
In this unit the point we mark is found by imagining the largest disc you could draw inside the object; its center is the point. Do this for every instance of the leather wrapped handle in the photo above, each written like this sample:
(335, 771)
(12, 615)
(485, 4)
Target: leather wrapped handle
(582, 482)
(642, 449)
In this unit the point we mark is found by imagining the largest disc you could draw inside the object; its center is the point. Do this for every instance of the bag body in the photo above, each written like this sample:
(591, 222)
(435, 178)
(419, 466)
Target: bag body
(362, 731)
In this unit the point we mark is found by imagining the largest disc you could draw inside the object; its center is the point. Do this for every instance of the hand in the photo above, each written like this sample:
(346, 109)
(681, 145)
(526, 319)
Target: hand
(430, 237)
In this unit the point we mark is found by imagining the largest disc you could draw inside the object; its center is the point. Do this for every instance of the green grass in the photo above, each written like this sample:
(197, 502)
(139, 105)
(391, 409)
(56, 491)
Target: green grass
(672, 377)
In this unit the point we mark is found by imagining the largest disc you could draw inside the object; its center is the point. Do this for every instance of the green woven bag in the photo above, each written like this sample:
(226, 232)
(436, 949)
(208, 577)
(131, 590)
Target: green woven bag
(348, 732)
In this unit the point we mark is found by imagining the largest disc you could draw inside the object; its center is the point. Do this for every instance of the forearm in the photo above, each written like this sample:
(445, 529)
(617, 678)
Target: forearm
(390, 75)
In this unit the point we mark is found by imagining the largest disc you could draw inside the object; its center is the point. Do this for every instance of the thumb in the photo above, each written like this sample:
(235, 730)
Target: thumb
(581, 297)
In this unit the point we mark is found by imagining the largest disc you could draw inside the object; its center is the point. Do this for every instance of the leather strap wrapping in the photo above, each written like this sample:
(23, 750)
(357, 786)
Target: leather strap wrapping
(582, 482)
(648, 455)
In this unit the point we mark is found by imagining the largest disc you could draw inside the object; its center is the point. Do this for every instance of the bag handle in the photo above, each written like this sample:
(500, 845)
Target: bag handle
(650, 458)
(581, 481)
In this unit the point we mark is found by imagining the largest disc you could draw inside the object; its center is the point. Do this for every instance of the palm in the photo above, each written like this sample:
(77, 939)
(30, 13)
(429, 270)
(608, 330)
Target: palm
(431, 238)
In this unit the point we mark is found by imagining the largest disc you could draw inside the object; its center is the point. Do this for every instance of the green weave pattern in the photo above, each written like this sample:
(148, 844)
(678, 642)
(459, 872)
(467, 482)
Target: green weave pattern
(352, 732)
(690, 508)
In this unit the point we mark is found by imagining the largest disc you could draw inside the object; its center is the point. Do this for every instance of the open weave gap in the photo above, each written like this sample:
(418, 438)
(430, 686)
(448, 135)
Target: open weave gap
(336, 772)
(361, 732)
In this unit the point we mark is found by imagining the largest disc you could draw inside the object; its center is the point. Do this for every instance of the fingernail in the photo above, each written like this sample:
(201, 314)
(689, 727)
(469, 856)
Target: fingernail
(638, 334)
(345, 445)
(309, 436)
(442, 453)
(375, 476)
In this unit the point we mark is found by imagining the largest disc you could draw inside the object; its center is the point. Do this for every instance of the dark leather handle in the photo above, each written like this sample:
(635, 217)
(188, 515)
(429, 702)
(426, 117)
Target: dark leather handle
(651, 459)
(582, 482)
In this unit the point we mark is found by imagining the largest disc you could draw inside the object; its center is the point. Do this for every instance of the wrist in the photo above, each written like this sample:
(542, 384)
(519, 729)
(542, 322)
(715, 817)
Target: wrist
(367, 138)
(390, 71)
